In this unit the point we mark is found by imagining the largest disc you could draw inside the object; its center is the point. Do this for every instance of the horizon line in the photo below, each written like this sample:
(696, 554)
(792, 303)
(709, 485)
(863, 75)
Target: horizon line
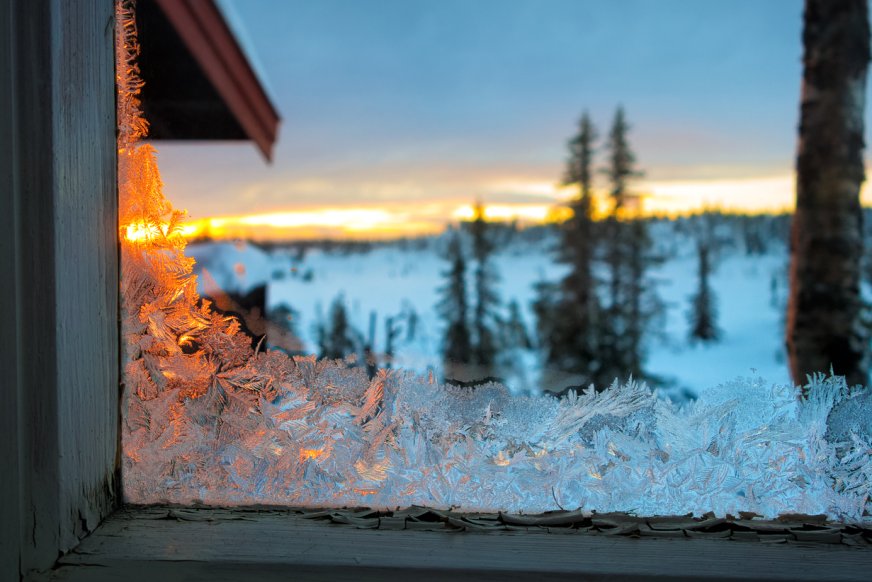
(397, 220)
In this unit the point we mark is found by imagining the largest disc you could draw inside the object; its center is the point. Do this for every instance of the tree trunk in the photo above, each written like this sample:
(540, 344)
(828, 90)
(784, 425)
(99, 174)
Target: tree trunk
(824, 326)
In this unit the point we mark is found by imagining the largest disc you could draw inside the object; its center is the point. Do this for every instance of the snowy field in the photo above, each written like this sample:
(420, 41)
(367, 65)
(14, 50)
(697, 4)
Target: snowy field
(393, 279)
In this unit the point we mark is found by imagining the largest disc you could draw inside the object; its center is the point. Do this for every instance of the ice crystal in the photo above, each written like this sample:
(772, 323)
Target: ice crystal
(207, 418)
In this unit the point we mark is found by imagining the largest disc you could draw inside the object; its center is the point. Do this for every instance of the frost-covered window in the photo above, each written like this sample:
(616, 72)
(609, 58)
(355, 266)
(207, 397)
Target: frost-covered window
(452, 371)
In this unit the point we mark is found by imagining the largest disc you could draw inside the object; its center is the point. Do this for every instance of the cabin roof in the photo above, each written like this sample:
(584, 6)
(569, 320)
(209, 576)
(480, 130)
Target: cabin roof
(200, 84)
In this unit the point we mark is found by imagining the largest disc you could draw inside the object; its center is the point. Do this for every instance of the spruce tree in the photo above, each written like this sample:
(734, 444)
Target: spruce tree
(453, 308)
(282, 332)
(544, 306)
(621, 166)
(631, 303)
(637, 241)
(567, 312)
(485, 317)
(703, 311)
(337, 339)
(515, 330)
(370, 358)
(392, 332)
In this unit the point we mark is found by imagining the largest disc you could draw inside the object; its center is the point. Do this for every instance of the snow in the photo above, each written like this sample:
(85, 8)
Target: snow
(753, 340)
(389, 279)
(234, 267)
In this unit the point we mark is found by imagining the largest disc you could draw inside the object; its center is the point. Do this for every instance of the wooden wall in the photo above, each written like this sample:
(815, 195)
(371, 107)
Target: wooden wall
(58, 277)
(9, 383)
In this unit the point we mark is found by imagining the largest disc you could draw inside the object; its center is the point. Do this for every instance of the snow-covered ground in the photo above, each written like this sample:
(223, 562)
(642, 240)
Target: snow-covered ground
(391, 280)
(750, 318)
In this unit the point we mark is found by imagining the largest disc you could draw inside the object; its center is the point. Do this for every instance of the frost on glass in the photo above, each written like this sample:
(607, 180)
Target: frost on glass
(207, 418)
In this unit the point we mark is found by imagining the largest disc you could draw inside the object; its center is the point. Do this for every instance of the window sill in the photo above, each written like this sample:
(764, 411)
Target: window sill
(218, 544)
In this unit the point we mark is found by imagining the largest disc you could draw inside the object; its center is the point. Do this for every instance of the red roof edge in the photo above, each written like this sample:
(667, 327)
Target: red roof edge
(212, 44)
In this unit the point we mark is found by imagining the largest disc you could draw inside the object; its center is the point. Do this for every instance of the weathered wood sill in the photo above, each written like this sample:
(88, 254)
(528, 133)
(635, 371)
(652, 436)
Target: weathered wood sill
(165, 544)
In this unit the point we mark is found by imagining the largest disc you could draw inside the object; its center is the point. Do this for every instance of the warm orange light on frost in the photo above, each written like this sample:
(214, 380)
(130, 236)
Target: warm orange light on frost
(143, 232)
(374, 470)
(311, 454)
(365, 492)
(501, 460)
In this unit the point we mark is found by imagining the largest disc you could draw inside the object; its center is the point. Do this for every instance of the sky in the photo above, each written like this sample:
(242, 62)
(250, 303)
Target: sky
(397, 115)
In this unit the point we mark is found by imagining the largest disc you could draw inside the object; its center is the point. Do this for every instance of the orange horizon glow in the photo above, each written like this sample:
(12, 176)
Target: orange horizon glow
(767, 195)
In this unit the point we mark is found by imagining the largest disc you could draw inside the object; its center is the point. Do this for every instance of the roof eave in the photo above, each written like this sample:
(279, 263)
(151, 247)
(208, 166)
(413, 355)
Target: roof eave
(206, 34)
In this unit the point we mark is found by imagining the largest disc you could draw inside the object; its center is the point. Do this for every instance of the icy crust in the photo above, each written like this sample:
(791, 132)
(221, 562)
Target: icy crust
(207, 418)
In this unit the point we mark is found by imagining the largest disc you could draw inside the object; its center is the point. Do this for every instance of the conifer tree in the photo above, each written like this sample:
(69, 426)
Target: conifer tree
(631, 301)
(703, 327)
(337, 339)
(567, 312)
(453, 308)
(392, 331)
(544, 306)
(485, 317)
(703, 311)
(515, 330)
(638, 243)
(282, 330)
(621, 166)
(369, 356)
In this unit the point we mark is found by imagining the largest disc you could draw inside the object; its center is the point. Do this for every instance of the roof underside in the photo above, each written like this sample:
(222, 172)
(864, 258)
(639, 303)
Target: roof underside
(199, 84)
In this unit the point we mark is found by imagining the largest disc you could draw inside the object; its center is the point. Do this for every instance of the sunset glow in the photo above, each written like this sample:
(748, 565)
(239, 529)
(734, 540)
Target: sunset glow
(525, 213)
(406, 137)
(751, 196)
(321, 223)
(396, 220)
